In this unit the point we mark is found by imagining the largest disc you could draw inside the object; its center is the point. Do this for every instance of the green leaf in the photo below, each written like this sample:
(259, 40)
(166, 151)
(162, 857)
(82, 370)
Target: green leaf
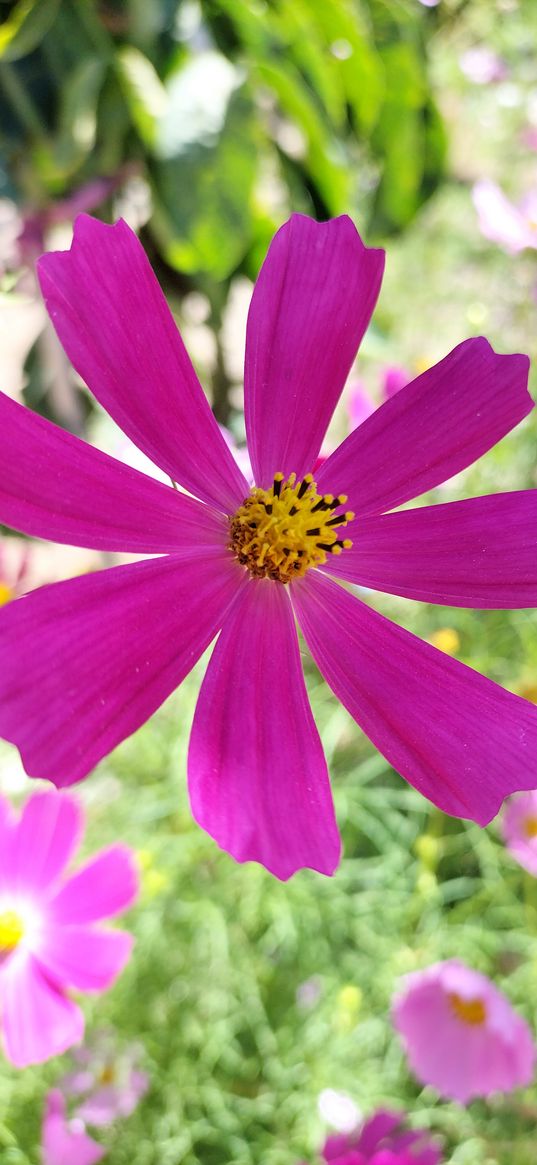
(202, 217)
(143, 91)
(323, 159)
(25, 27)
(77, 123)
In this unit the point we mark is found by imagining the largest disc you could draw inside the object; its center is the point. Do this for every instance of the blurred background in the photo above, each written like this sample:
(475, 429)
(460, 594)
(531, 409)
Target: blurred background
(205, 123)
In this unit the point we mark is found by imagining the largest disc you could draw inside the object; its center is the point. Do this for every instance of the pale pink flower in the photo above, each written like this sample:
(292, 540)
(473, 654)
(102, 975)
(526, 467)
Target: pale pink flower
(360, 404)
(461, 1034)
(519, 828)
(106, 1079)
(514, 227)
(482, 65)
(65, 1142)
(49, 941)
(13, 576)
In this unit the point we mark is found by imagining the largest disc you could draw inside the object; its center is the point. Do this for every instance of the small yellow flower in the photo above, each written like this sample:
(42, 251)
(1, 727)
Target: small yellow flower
(6, 593)
(446, 639)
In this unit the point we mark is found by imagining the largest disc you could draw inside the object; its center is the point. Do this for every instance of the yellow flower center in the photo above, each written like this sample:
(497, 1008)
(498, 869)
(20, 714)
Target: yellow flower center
(471, 1011)
(279, 533)
(11, 930)
(530, 826)
(6, 594)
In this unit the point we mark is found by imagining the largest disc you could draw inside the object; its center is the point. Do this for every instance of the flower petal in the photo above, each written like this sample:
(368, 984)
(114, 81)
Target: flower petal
(431, 429)
(83, 663)
(116, 327)
(311, 306)
(82, 957)
(460, 739)
(62, 1144)
(38, 1021)
(44, 840)
(52, 485)
(480, 552)
(257, 775)
(100, 889)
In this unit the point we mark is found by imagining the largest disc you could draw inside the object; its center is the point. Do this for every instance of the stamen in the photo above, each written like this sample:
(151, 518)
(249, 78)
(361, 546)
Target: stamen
(272, 535)
(306, 482)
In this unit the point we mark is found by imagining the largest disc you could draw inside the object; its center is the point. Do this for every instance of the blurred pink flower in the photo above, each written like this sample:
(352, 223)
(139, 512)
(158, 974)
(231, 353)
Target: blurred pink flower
(519, 828)
(360, 404)
(49, 943)
(13, 578)
(65, 1142)
(84, 663)
(513, 227)
(482, 65)
(460, 1033)
(107, 1078)
(382, 1140)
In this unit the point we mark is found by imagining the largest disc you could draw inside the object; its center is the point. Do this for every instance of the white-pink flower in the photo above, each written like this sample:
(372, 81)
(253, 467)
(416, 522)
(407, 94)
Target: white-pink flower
(65, 1142)
(519, 828)
(49, 941)
(514, 227)
(460, 1034)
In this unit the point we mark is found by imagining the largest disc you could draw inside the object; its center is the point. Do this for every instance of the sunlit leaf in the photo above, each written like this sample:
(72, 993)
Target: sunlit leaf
(25, 27)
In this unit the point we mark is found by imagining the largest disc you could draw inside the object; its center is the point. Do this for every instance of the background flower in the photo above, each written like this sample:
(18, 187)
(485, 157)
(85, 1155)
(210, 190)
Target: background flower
(519, 828)
(460, 1034)
(49, 940)
(65, 1142)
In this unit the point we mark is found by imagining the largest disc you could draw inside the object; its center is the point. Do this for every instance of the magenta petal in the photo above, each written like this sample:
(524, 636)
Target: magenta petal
(44, 840)
(257, 775)
(38, 1021)
(52, 485)
(481, 552)
(460, 739)
(431, 429)
(311, 306)
(118, 331)
(102, 888)
(63, 1144)
(83, 958)
(83, 663)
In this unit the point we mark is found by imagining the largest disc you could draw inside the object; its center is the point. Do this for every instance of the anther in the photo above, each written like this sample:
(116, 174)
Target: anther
(306, 482)
(278, 478)
(316, 530)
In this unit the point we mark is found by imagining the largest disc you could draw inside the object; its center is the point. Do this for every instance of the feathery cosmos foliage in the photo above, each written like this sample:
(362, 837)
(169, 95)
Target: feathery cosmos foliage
(100, 653)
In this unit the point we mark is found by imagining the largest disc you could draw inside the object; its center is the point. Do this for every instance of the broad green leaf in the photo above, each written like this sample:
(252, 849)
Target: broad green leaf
(144, 92)
(77, 124)
(202, 218)
(25, 27)
(323, 155)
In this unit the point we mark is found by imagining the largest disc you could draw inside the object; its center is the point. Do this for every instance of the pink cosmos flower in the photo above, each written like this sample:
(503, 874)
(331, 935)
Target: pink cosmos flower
(83, 663)
(13, 578)
(513, 227)
(360, 405)
(519, 828)
(49, 943)
(107, 1080)
(382, 1140)
(65, 1142)
(460, 1033)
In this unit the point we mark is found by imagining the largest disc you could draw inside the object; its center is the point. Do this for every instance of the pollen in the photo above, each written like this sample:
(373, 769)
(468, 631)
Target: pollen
(530, 826)
(6, 594)
(11, 930)
(471, 1011)
(279, 533)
